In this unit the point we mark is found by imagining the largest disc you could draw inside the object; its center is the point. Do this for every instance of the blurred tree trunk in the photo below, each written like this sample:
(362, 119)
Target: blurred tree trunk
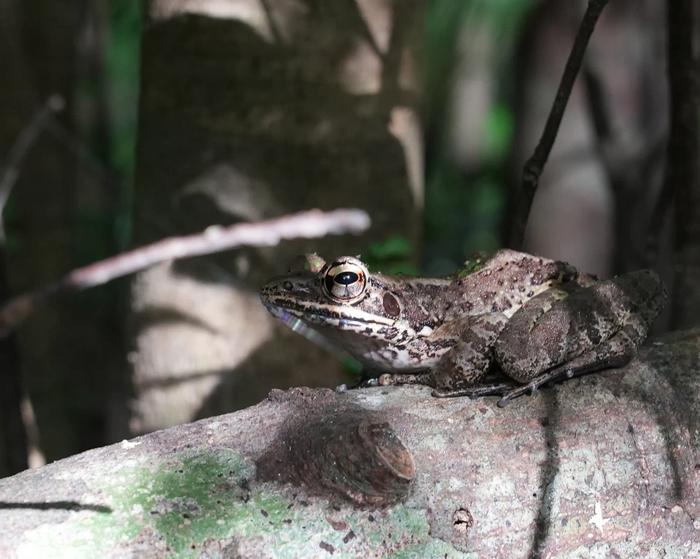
(252, 109)
(13, 439)
(13, 446)
(683, 167)
(63, 346)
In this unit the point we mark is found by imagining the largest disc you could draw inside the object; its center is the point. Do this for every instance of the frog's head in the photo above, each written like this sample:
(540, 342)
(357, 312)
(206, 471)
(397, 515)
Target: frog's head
(340, 295)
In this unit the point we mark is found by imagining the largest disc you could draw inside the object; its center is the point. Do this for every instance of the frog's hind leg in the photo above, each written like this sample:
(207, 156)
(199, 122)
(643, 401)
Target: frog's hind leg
(573, 331)
(614, 352)
(477, 391)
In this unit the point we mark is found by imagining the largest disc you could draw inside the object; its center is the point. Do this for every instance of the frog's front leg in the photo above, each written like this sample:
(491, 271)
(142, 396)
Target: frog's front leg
(462, 370)
(569, 332)
(459, 371)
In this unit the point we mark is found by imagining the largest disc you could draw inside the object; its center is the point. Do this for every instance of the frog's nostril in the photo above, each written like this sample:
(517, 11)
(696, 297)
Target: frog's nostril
(287, 285)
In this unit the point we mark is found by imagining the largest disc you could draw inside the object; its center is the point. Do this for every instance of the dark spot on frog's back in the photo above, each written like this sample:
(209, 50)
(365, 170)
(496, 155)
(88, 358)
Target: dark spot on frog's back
(391, 305)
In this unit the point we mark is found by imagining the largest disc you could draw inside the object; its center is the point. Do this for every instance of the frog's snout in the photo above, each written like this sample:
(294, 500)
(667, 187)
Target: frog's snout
(287, 290)
(270, 292)
(265, 291)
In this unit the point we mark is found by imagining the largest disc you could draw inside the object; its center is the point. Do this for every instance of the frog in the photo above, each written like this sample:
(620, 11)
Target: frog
(504, 325)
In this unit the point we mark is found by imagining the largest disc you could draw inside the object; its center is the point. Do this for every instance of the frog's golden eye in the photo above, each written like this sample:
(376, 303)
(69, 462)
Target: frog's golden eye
(345, 280)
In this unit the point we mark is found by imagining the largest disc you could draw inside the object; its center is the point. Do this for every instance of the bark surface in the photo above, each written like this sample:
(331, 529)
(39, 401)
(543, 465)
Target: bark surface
(606, 465)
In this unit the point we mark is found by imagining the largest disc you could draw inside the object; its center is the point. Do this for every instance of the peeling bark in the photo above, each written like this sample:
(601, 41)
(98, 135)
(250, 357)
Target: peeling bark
(605, 465)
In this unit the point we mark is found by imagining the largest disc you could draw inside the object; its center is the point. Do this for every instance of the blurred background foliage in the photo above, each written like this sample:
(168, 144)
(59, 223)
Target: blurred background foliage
(464, 200)
(466, 195)
(464, 204)
(122, 76)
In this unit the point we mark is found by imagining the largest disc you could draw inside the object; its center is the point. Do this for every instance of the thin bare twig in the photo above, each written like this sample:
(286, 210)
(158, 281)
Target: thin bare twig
(77, 147)
(11, 385)
(534, 166)
(277, 36)
(19, 150)
(309, 224)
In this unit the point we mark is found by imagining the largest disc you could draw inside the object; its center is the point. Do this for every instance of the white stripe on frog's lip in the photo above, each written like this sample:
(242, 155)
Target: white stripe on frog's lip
(357, 321)
(328, 314)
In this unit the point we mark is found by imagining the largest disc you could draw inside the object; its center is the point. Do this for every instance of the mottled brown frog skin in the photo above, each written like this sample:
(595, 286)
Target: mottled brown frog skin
(536, 320)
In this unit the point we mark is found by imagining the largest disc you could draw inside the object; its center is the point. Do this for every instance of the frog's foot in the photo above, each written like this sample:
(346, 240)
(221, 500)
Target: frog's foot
(365, 381)
(587, 363)
(477, 391)
(388, 379)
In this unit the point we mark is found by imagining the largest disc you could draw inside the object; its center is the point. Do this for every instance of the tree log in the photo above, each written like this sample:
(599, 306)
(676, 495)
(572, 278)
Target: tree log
(607, 465)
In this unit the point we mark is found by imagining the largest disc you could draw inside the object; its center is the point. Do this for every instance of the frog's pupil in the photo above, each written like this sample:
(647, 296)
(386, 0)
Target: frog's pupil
(346, 278)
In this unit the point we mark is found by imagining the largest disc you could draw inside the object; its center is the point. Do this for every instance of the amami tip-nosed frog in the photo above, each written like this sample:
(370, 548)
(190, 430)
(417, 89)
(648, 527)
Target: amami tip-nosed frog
(538, 320)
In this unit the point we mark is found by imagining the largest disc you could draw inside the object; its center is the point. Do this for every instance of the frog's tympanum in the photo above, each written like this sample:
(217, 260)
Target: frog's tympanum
(533, 319)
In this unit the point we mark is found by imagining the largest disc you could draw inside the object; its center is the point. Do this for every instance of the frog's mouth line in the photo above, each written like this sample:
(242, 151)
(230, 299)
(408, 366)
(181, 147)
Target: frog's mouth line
(325, 315)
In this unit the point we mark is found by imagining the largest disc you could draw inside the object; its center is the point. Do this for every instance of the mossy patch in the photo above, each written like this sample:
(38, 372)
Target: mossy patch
(196, 500)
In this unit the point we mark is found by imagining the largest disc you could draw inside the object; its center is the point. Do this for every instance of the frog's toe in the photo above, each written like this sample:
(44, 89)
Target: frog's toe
(368, 382)
(514, 393)
(365, 382)
(386, 379)
(496, 389)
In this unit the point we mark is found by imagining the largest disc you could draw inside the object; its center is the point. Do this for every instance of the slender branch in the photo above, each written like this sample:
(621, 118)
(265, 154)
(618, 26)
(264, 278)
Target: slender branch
(77, 147)
(19, 150)
(534, 166)
(274, 28)
(657, 222)
(366, 32)
(216, 238)
(13, 428)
